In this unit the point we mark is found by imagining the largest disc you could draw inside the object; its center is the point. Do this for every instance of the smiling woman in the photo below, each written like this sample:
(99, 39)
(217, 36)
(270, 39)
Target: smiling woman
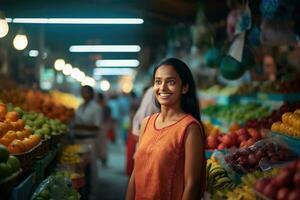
(169, 161)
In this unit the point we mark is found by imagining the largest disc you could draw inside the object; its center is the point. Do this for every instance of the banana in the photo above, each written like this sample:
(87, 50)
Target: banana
(222, 181)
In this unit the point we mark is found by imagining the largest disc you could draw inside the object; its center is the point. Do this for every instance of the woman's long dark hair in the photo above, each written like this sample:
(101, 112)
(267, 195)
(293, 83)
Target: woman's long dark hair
(189, 103)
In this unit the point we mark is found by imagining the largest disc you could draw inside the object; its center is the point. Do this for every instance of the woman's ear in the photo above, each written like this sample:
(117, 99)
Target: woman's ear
(185, 89)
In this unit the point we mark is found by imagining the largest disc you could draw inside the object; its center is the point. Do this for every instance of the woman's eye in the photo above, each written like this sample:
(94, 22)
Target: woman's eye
(171, 82)
(157, 82)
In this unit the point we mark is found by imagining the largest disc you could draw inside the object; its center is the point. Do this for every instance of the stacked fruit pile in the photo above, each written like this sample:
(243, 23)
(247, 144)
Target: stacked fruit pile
(9, 164)
(236, 112)
(253, 158)
(37, 101)
(290, 124)
(267, 121)
(71, 154)
(13, 134)
(240, 138)
(217, 178)
(283, 186)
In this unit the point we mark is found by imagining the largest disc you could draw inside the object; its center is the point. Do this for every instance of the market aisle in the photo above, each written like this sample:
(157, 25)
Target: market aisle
(112, 182)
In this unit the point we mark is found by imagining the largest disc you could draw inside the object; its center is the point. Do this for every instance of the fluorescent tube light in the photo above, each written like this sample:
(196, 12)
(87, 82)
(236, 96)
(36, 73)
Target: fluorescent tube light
(30, 20)
(117, 63)
(33, 53)
(113, 71)
(105, 48)
(76, 20)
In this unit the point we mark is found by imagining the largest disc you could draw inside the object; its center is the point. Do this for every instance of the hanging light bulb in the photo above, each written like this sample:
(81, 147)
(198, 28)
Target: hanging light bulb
(3, 26)
(20, 41)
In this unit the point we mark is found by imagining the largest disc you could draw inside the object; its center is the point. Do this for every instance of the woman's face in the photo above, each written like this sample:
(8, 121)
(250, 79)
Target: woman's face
(167, 86)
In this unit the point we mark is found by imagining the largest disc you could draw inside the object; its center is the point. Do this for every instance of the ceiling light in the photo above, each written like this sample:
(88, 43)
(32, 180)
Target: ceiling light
(80, 77)
(3, 27)
(88, 81)
(33, 53)
(67, 70)
(117, 63)
(59, 64)
(104, 85)
(105, 48)
(75, 73)
(113, 71)
(20, 42)
(76, 20)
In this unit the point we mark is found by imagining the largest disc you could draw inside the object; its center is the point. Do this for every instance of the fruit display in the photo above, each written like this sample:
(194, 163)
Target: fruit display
(32, 100)
(288, 86)
(240, 138)
(267, 121)
(263, 154)
(9, 164)
(65, 99)
(289, 124)
(282, 186)
(236, 113)
(55, 187)
(13, 133)
(43, 126)
(71, 154)
(217, 178)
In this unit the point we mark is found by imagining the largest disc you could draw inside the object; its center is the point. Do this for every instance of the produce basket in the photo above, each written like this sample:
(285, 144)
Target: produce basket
(43, 149)
(27, 158)
(7, 184)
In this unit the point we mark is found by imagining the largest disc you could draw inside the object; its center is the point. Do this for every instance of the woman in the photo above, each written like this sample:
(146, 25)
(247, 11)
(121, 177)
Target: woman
(170, 162)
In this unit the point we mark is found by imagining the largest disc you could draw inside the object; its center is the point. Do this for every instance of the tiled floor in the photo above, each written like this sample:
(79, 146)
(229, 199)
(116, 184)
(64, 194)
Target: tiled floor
(112, 181)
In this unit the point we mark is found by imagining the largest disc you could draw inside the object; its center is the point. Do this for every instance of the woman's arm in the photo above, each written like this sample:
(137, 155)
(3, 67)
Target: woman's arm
(131, 185)
(194, 145)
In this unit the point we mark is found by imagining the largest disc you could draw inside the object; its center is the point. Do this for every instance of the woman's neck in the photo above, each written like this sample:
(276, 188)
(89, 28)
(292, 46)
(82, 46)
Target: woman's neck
(167, 113)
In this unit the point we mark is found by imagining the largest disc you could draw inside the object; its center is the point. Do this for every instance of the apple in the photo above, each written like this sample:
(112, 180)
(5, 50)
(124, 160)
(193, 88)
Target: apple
(221, 146)
(283, 178)
(283, 193)
(241, 131)
(294, 195)
(270, 190)
(252, 159)
(227, 140)
(254, 134)
(242, 138)
(261, 184)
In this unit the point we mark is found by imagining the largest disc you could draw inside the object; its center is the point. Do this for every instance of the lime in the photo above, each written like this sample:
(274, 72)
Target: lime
(3, 153)
(5, 170)
(14, 163)
(44, 194)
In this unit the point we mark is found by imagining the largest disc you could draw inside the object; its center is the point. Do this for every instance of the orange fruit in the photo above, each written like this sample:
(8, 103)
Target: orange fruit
(3, 128)
(16, 146)
(286, 117)
(26, 133)
(3, 110)
(10, 135)
(35, 139)
(27, 143)
(12, 116)
(5, 141)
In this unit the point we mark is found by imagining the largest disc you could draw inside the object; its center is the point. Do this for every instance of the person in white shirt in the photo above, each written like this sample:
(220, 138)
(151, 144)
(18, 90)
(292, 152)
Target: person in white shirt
(87, 122)
(146, 108)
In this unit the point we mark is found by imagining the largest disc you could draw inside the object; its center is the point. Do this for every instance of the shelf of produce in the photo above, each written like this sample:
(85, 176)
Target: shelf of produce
(292, 142)
(226, 99)
(40, 165)
(23, 190)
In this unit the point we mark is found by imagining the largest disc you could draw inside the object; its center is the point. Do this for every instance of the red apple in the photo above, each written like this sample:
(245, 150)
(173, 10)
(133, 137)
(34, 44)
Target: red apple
(270, 190)
(221, 146)
(252, 159)
(283, 193)
(227, 140)
(241, 131)
(250, 142)
(254, 134)
(261, 184)
(283, 178)
(242, 138)
(294, 195)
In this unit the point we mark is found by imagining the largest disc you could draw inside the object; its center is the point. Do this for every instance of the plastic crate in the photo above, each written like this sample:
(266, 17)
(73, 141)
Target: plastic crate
(7, 184)
(23, 190)
(43, 149)
(28, 158)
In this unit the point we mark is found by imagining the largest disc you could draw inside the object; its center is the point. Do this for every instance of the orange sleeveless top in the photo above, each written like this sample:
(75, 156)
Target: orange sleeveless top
(159, 161)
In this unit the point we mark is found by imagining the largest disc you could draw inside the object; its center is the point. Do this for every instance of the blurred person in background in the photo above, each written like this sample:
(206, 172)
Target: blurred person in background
(170, 159)
(87, 122)
(107, 125)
